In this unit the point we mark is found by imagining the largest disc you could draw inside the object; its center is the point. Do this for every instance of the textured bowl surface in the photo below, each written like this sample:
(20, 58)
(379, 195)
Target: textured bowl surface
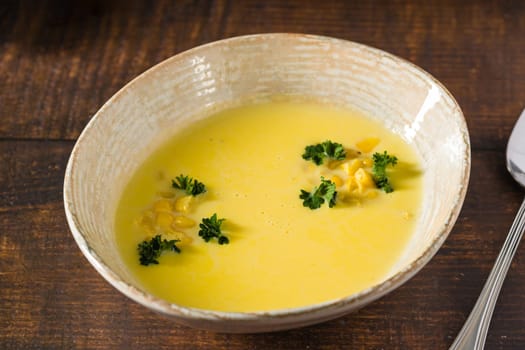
(230, 72)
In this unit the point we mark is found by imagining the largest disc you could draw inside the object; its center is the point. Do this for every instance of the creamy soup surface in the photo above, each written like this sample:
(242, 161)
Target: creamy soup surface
(280, 254)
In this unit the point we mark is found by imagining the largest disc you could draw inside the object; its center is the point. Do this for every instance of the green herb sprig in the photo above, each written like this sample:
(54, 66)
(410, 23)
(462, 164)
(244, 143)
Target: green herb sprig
(328, 149)
(381, 161)
(150, 251)
(324, 192)
(211, 228)
(189, 185)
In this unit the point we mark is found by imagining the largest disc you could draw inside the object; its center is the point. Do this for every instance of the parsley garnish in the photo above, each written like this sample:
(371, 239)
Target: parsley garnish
(324, 192)
(328, 149)
(211, 228)
(381, 161)
(190, 185)
(151, 250)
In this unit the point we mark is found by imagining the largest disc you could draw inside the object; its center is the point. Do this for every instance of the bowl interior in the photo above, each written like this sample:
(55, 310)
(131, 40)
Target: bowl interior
(231, 72)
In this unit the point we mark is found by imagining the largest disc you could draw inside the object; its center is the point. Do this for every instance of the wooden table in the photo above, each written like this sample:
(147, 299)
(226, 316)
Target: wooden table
(60, 60)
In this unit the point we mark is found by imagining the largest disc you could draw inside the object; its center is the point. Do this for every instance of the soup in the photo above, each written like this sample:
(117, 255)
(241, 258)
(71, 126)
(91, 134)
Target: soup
(294, 232)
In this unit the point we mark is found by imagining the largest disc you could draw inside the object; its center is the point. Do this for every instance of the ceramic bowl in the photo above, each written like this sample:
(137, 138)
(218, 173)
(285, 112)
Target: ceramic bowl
(244, 69)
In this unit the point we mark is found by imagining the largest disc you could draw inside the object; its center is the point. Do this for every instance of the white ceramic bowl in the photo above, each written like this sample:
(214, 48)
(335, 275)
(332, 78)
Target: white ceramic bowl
(253, 68)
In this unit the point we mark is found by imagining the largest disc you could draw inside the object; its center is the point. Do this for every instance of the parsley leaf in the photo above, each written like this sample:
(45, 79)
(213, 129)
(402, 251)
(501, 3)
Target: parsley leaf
(328, 149)
(211, 228)
(190, 185)
(381, 161)
(324, 192)
(151, 250)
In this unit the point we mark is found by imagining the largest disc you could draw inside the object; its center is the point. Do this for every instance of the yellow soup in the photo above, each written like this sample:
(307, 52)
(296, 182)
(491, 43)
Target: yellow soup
(281, 254)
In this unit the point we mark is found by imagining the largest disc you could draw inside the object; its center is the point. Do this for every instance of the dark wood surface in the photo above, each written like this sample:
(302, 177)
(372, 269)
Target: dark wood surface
(60, 60)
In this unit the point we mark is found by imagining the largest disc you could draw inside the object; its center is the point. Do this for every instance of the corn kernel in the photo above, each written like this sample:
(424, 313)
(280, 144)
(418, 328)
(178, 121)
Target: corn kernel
(182, 238)
(182, 204)
(147, 222)
(368, 162)
(351, 184)
(183, 222)
(164, 219)
(332, 164)
(337, 180)
(353, 166)
(162, 205)
(352, 153)
(364, 180)
(367, 144)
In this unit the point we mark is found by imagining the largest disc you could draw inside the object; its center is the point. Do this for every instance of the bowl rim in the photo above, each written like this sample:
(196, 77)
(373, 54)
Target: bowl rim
(361, 298)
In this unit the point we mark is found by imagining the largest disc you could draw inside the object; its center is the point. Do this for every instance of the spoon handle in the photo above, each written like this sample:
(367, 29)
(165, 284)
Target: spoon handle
(474, 332)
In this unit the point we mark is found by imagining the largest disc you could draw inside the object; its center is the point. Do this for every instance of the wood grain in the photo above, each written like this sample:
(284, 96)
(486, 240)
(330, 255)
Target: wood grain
(59, 62)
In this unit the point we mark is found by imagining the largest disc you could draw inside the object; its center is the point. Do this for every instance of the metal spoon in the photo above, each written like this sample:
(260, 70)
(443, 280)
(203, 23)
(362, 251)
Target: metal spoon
(474, 331)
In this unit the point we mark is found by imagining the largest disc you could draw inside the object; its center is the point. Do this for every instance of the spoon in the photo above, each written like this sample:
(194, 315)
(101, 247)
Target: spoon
(474, 331)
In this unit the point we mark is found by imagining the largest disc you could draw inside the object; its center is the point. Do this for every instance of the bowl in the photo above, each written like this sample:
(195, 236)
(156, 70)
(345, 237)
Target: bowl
(144, 113)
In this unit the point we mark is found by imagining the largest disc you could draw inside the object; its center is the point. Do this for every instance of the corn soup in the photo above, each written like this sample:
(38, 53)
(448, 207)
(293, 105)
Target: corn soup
(294, 232)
